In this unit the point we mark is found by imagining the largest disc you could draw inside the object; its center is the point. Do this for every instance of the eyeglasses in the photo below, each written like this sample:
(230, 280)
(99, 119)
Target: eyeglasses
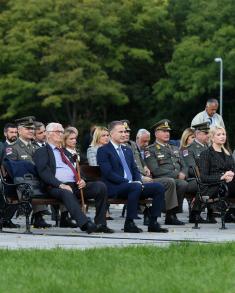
(57, 131)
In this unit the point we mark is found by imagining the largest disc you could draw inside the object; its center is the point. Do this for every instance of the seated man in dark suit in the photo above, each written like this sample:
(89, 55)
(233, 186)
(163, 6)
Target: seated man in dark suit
(121, 175)
(57, 172)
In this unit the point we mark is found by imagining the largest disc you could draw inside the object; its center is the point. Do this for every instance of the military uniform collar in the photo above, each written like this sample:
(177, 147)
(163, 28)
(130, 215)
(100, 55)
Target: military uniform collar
(24, 141)
(162, 144)
(198, 142)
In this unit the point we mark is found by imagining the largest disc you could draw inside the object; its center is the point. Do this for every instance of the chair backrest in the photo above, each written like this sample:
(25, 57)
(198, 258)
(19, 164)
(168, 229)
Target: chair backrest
(91, 173)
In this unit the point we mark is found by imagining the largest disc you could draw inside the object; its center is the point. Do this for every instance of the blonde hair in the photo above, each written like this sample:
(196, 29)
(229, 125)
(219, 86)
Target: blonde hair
(69, 130)
(97, 135)
(185, 135)
(212, 133)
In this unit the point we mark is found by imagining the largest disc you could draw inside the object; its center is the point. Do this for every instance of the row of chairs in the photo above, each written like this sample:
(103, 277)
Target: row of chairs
(20, 197)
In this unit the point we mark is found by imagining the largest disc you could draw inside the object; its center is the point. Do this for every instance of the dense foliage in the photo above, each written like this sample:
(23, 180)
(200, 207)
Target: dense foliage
(84, 61)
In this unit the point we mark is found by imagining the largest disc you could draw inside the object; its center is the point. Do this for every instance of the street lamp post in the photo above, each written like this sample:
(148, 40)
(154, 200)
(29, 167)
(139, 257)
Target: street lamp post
(220, 61)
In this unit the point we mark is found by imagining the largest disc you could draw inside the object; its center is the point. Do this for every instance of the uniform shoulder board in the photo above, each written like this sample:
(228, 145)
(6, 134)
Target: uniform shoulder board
(8, 150)
(185, 152)
(147, 154)
(150, 146)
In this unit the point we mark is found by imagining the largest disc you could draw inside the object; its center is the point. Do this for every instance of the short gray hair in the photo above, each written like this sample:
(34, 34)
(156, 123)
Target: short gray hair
(51, 126)
(141, 132)
(212, 101)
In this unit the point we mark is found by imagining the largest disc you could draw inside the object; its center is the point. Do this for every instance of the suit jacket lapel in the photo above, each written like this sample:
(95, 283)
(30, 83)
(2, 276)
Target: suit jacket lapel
(51, 156)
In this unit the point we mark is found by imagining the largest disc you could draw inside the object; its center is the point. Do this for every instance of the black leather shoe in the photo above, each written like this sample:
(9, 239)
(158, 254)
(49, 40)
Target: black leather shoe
(130, 227)
(89, 227)
(10, 224)
(109, 218)
(67, 223)
(156, 228)
(104, 229)
(173, 220)
(39, 222)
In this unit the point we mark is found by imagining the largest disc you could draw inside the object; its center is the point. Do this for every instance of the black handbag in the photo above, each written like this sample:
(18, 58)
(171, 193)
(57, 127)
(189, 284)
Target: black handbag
(33, 182)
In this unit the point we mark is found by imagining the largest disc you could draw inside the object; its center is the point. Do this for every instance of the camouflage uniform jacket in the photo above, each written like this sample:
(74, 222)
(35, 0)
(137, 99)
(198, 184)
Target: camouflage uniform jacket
(191, 155)
(164, 161)
(137, 156)
(20, 151)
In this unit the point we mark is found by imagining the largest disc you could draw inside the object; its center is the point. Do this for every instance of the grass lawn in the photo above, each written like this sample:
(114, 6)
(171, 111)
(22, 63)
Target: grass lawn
(178, 268)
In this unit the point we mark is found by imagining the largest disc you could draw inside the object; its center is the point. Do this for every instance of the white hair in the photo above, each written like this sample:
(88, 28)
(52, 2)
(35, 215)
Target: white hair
(141, 132)
(53, 125)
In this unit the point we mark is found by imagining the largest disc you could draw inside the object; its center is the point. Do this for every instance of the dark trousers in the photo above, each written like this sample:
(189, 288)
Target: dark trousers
(96, 190)
(133, 192)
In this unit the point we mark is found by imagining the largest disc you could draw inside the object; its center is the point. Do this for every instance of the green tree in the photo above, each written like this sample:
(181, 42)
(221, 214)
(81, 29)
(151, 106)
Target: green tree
(192, 74)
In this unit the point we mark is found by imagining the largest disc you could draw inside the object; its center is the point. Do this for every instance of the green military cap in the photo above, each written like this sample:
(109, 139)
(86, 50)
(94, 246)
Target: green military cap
(26, 122)
(205, 126)
(126, 124)
(163, 124)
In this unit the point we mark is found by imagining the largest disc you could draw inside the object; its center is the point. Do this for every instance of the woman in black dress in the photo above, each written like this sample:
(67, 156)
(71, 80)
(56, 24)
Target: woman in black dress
(217, 164)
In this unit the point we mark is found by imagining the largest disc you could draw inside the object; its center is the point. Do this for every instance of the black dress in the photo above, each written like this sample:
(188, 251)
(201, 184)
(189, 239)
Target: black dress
(212, 165)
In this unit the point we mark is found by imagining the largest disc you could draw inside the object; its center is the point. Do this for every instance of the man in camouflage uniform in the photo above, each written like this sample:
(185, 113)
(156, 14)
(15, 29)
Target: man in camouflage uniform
(164, 161)
(190, 156)
(200, 143)
(23, 149)
(171, 201)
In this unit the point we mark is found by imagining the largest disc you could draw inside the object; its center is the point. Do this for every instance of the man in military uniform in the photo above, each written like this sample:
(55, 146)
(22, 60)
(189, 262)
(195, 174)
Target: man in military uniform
(23, 149)
(190, 156)
(200, 143)
(171, 201)
(164, 160)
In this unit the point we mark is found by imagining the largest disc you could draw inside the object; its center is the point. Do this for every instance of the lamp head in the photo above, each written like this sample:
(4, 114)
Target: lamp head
(218, 59)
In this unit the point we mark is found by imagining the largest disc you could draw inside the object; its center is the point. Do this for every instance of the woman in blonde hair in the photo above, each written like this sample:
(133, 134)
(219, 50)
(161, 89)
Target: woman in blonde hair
(100, 137)
(187, 138)
(217, 164)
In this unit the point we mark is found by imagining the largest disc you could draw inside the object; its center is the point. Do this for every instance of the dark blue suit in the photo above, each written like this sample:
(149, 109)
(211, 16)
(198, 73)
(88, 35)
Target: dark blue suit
(118, 186)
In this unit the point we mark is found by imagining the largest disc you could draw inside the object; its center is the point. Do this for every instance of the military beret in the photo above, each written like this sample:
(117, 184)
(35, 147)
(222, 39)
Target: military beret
(163, 124)
(126, 124)
(28, 121)
(205, 126)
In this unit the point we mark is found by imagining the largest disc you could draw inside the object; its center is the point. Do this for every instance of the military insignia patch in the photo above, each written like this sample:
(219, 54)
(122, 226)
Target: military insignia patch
(24, 157)
(158, 147)
(8, 151)
(147, 154)
(185, 153)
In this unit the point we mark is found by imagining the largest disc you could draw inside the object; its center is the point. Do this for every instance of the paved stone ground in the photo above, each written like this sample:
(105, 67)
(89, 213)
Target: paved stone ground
(74, 238)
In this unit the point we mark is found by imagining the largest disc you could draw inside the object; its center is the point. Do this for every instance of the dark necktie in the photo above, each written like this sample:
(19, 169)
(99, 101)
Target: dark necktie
(210, 120)
(124, 163)
(67, 162)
